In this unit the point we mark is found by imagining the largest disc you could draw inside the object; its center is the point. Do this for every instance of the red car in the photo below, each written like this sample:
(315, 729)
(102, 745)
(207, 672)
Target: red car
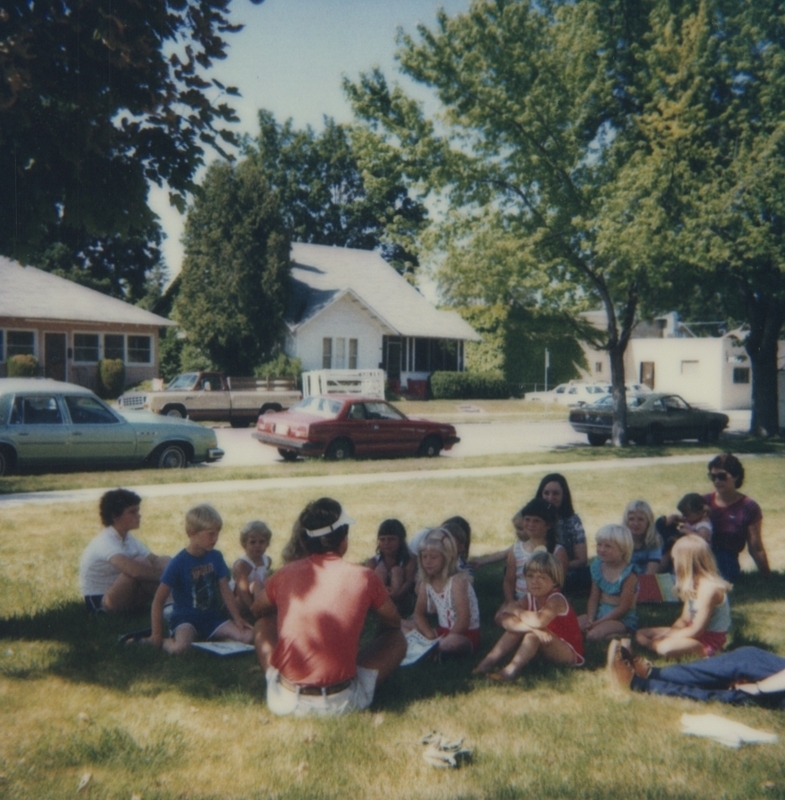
(342, 426)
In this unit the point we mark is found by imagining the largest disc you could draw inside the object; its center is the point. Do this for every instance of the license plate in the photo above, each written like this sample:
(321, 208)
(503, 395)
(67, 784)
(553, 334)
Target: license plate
(281, 428)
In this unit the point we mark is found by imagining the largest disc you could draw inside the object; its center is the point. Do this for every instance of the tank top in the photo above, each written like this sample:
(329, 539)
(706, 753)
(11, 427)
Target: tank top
(719, 621)
(565, 625)
(442, 604)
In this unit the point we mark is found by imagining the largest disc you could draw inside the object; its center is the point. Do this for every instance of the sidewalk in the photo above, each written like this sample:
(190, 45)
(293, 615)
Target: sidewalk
(208, 488)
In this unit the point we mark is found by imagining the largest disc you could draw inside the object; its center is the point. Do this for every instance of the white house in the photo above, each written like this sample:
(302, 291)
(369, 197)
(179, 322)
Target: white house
(712, 371)
(69, 327)
(351, 310)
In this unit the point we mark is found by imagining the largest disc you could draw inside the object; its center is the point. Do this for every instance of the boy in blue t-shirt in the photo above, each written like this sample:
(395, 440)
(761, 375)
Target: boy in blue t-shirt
(198, 580)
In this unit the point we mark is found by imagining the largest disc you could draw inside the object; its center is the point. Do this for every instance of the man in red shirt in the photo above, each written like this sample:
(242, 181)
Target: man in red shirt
(310, 617)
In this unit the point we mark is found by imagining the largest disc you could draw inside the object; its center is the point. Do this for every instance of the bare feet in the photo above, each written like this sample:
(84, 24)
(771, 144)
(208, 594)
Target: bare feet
(502, 676)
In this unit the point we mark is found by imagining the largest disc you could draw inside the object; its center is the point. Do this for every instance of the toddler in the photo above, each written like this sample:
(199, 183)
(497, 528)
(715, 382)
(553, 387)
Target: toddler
(250, 571)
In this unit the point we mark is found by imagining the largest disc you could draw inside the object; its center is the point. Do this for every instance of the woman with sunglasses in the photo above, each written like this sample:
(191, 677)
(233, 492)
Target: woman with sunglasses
(736, 519)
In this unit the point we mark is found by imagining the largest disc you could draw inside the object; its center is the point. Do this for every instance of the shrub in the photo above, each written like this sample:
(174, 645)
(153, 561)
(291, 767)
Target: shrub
(281, 367)
(468, 385)
(111, 378)
(23, 366)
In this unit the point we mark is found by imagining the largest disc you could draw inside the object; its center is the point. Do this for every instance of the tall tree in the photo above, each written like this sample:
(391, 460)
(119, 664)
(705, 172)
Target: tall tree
(234, 281)
(97, 99)
(339, 187)
(537, 120)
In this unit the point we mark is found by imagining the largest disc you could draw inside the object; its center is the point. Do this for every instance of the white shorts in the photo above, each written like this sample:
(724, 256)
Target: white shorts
(358, 696)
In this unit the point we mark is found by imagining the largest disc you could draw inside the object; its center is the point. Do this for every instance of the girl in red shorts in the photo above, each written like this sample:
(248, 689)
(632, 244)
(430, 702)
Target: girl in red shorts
(702, 628)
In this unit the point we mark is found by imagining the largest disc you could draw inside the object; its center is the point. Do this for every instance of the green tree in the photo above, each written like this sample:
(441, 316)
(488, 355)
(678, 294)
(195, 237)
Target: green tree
(339, 187)
(234, 281)
(98, 98)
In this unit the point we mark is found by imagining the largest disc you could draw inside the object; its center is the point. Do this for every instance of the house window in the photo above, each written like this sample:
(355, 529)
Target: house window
(741, 374)
(327, 353)
(20, 343)
(114, 346)
(140, 350)
(689, 367)
(598, 367)
(86, 347)
(340, 353)
(352, 353)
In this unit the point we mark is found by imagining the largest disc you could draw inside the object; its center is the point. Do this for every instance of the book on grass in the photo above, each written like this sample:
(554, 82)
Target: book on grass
(656, 589)
(417, 646)
(224, 648)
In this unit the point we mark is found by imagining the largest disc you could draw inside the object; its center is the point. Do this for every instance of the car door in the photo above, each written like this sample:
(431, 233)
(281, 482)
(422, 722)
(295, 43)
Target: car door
(391, 432)
(38, 430)
(98, 435)
(678, 418)
(208, 400)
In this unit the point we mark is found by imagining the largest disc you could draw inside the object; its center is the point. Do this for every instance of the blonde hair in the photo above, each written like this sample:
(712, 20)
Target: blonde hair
(694, 562)
(441, 540)
(255, 526)
(651, 539)
(202, 518)
(548, 565)
(620, 536)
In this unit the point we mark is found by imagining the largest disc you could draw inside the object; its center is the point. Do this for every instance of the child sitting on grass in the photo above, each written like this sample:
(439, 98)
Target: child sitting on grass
(250, 572)
(394, 564)
(197, 578)
(541, 624)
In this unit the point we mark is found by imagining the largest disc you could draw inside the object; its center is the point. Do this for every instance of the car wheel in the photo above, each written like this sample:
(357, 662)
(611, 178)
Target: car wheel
(710, 435)
(269, 408)
(596, 439)
(287, 455)
(240, 423)
(654, 435)
(339, 450)
(174, 411)
(6, 462)
(431, 447)
(172, 456)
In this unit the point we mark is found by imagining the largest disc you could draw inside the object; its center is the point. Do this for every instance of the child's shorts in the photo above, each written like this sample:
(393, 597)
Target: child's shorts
(94, 603)
(472, 635)
(206, 623)
(282, 700)
(713, 642)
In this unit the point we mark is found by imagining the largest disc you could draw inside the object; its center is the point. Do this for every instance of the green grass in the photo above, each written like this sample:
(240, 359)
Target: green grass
(74, 702)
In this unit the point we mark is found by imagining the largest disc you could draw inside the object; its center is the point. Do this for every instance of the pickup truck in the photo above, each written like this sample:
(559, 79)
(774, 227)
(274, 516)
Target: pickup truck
(213, 396)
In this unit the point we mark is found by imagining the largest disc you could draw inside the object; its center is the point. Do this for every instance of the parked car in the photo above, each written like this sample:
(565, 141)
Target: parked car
(571, 394)
(215, 396)
(46, 424)
(341, 426)
(651, 419)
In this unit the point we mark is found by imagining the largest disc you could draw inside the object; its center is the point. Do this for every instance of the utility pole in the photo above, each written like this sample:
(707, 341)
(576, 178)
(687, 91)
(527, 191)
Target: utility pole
(547, 364)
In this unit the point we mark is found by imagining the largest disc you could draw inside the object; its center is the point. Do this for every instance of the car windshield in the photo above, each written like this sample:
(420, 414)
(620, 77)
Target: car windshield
(321, 406)
(183, 382)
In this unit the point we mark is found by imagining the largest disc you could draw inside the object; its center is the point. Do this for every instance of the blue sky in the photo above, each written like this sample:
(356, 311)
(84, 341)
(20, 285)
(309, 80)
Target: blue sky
(291, 56)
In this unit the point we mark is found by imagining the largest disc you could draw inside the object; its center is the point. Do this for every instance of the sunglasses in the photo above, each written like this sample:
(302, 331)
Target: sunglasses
(718, 476)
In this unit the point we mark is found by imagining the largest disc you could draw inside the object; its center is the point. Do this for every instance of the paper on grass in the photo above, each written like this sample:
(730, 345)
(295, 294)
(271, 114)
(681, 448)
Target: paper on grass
(417, 646)
(224, 648)
(724, 731)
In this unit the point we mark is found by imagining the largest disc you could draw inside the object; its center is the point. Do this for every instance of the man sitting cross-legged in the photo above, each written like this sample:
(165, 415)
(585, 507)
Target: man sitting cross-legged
(310, 617)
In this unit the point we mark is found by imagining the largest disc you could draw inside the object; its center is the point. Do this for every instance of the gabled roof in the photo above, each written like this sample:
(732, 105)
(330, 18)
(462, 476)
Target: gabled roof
(321, 275)
(32, 294)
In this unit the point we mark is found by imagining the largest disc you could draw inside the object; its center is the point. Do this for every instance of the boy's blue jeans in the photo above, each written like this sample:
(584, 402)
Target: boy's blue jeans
(711, 678)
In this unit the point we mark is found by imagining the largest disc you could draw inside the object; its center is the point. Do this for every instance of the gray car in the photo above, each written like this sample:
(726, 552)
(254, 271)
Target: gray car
(48, 424)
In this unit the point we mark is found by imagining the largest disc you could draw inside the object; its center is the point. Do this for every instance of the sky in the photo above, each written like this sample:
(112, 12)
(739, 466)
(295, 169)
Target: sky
(290, 59)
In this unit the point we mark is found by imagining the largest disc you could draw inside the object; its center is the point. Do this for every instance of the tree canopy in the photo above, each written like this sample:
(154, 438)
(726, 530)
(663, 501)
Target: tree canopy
(234, 281)
(99, 98)
(583, 146)
(339, 187)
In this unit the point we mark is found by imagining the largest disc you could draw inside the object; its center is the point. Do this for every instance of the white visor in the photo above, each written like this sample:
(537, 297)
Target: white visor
(344, 519)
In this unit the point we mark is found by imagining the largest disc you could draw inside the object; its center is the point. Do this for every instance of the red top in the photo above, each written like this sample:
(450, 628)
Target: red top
(565, 625)
(730, 523)
(322, 601)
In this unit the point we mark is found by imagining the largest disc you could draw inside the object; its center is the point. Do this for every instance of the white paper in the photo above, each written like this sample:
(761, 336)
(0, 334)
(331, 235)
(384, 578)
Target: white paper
(417, 646)
(224, 648)
(724, 731)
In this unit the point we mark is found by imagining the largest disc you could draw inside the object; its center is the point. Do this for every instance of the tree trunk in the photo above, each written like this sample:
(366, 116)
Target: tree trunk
(619, 430)
(766, 318)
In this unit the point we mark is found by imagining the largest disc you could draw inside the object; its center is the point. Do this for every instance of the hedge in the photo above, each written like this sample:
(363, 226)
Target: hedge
(469, 386)
(22, 366)
(111, 378)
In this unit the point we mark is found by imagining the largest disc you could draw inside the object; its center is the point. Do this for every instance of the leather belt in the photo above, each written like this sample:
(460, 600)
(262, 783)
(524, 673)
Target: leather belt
(310, 690)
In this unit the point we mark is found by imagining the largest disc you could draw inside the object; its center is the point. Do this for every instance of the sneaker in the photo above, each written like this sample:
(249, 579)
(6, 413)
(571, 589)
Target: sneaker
(642, 667)
(620, 671)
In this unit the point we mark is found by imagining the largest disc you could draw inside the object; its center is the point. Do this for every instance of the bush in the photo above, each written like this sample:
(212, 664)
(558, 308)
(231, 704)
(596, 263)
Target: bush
(23, 366)
(468, 386)
(111, 378)
(281, 367)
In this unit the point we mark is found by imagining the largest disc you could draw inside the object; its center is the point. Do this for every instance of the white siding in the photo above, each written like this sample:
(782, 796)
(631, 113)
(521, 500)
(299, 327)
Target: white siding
(344, 319)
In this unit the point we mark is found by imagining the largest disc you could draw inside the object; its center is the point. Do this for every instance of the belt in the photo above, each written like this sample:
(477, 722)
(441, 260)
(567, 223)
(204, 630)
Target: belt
(309, 689)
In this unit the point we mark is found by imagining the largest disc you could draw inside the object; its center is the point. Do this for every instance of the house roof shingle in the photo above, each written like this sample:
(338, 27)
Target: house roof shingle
(322, 274)
(30, 293)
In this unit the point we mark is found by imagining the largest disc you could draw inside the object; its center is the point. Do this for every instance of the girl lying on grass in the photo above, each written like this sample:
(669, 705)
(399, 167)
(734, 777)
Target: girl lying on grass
(702, 628)
(541, 624)
(448, 592)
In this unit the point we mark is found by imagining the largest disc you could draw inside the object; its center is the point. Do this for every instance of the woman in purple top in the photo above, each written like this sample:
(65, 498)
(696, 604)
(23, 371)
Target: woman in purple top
(735, 518)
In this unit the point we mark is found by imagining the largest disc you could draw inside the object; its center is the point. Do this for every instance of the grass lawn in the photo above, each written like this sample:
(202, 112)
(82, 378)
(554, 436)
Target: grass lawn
(144, 724)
